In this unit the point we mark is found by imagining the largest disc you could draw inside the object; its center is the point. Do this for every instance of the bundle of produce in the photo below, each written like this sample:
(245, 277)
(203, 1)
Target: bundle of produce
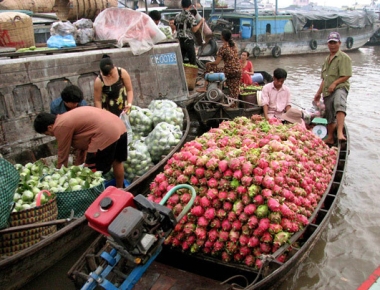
(37, 176)
(161, 140)
(166, 111)
(141, 121)
(138, 161)
(257, 184)
(251, 88)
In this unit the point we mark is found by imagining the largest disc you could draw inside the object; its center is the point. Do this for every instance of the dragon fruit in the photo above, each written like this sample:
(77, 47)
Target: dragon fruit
(257, 184)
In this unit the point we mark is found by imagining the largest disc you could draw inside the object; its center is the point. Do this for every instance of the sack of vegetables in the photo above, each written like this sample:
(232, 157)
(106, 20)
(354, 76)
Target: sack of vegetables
(141, 121)
(75, 187)
(166, 111)
(138, 161)
(160, 141)
(83, 187)
(9, 178)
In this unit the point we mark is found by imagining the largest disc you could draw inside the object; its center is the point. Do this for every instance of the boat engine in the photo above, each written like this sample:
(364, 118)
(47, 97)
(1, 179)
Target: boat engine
(135, 228)
(214, 91)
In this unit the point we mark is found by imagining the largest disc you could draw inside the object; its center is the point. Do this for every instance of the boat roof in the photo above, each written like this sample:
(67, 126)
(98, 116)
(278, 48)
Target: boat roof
(353, 19)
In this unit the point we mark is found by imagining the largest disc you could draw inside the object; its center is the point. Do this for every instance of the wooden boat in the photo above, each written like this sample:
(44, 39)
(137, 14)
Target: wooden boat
(173, 268)
(294, 32)
(28, 84)
(44, 254)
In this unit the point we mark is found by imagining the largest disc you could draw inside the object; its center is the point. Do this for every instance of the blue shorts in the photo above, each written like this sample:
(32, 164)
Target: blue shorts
(337, 102)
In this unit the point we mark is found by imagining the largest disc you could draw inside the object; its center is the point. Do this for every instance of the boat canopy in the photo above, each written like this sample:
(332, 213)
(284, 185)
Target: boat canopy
(353, 19)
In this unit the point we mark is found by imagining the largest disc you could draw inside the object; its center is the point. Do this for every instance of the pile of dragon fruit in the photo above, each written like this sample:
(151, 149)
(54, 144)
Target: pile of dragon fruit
(257, 184)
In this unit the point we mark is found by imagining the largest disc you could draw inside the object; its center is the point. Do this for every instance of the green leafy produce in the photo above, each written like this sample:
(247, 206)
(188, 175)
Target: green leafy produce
(35, 177)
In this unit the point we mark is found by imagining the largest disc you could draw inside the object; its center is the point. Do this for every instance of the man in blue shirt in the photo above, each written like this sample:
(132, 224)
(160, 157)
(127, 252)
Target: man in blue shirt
(71, 97)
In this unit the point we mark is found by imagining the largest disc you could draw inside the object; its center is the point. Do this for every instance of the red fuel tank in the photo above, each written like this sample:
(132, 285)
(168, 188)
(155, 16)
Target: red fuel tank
(106, 208)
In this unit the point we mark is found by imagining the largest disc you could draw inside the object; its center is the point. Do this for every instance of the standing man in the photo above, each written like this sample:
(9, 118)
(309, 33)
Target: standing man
(88, 129)
(275, 96)
(187, 25)
(336, 70)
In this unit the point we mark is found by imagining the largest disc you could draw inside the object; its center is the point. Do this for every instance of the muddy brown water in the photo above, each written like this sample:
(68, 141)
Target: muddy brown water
(349, 249)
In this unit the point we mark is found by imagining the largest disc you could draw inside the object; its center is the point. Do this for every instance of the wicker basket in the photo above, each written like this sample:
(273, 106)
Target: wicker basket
(40, 6)
(17, 30)
(75, 10)
(191, 74)
(11, 243)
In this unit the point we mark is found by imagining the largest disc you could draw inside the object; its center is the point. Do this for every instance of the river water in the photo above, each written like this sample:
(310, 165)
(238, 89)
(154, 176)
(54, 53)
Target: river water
(349, 249)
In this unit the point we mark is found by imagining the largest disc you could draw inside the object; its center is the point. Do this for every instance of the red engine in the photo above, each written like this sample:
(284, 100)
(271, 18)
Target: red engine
(107, 207)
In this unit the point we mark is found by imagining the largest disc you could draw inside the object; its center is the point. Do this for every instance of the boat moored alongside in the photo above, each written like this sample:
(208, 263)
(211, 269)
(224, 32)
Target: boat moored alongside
(296, 32)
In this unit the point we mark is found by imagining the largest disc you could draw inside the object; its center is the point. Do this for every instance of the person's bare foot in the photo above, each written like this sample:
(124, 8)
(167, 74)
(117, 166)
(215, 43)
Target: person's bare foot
(341, 137)
(329, 141)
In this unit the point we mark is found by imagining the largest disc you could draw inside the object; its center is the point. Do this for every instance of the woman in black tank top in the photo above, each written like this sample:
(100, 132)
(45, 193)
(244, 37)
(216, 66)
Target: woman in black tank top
(113, 88)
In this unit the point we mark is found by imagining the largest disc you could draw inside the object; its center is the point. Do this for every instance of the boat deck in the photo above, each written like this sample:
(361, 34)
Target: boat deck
(161, 277)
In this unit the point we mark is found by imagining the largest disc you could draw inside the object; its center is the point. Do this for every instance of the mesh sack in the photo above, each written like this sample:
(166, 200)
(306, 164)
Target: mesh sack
(9, 178)
(78, 201)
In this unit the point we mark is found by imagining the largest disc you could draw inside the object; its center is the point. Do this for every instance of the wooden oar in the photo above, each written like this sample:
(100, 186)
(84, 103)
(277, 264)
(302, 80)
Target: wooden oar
(37, 225)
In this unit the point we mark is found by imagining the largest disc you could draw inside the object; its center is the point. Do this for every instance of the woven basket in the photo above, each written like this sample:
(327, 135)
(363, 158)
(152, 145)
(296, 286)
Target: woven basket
(40, 6)
(16, 29)
(11, 243)
(191, 74)
(75, 10)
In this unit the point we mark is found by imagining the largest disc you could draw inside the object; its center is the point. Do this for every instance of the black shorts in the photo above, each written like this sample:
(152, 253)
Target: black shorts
(103, 159)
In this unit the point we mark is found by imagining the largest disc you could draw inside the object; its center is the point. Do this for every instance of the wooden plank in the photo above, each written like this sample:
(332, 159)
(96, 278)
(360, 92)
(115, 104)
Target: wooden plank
(164, 283)
(90, 46)
(175, 279)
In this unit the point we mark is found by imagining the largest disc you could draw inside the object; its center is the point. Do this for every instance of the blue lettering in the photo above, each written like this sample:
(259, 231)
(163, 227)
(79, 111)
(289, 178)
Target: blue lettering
(164, 59)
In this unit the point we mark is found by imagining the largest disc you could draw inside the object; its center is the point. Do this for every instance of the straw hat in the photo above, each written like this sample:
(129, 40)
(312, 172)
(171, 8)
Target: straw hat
(292, 116)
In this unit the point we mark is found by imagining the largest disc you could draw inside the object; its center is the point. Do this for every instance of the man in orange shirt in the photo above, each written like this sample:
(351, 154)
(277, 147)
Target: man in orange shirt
(98, 132)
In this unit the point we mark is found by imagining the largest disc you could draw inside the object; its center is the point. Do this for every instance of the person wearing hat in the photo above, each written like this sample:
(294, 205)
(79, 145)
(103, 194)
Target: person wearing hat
(113, 89)
(336, 70)
(293, 116)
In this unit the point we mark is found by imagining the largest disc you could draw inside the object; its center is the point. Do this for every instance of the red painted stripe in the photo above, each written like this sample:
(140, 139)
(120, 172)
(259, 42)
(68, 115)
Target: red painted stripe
(371, 280)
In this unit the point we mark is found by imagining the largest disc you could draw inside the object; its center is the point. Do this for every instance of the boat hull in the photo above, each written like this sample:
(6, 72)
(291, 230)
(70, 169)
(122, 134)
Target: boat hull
(19, 269)
(302, 42)
(273, 272)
